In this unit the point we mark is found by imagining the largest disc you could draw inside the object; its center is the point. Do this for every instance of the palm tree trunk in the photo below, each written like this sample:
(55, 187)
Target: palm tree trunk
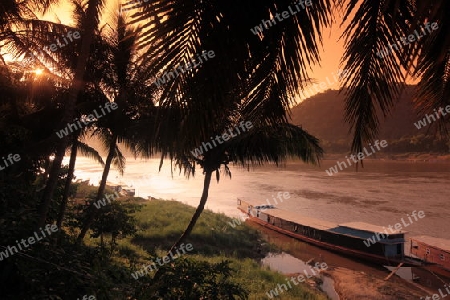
(101, 190)
(69, 111)
(73, 158)
(52, 180)
(198, 212)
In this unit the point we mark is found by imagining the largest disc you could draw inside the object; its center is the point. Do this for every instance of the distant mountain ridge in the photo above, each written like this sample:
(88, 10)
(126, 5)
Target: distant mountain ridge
(323, 116)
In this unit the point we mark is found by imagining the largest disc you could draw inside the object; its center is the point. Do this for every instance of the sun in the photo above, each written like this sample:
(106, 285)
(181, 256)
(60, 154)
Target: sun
(38, 71)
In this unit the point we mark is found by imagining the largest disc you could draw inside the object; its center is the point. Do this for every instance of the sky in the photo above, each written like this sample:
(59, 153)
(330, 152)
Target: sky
(331, 51)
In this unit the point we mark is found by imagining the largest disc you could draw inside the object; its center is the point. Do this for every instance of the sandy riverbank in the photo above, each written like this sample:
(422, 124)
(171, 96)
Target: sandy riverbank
(353, 285)
(352, 279)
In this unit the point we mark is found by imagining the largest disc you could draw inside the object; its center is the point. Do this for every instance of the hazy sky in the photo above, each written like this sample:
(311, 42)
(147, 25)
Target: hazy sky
(331, 51)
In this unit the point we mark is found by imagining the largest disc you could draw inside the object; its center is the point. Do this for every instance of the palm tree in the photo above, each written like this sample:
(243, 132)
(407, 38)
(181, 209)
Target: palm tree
(262, 144)
(30, 41)
(376, 81)
(91, 23)
(247, 78)
(123, 79)
(86, 150)
(114, 154)
(32, 108)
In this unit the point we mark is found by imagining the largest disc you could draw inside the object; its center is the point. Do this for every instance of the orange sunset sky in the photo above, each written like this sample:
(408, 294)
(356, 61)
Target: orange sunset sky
(331, 50)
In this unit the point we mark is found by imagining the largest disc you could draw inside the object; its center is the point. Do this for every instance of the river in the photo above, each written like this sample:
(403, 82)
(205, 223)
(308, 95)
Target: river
(382, 193)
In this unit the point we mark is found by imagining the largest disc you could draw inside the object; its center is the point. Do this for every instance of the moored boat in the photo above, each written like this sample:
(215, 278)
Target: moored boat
(356, 239)
(122, 189)
(434, 252)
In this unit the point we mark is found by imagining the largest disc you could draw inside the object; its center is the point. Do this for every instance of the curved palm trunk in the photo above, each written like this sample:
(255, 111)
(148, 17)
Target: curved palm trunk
(73, 158)
(101, 190)
(69, 112)
(198, 212)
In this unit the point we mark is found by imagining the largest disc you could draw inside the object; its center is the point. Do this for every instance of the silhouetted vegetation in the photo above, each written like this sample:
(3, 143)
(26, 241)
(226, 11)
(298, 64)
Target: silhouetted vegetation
(50, 101)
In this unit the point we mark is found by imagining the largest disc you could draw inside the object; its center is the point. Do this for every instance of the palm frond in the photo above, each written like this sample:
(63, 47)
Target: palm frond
(274, 144)
(32, 40)
(119, 160)
(261, 73)
(376, 69)
(90, 152)
(433, 63)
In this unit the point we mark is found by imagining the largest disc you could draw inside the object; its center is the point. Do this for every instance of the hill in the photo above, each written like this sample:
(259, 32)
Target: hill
(323, 116)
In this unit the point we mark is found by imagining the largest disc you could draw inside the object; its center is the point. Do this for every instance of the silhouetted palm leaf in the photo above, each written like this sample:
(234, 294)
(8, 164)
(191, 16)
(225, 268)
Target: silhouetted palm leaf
(262, 73)
(433, 62)
(374, 81)
(90, 152)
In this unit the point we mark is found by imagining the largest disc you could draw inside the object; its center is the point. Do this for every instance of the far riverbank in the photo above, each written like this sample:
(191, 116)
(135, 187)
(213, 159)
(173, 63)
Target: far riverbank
(408, 157)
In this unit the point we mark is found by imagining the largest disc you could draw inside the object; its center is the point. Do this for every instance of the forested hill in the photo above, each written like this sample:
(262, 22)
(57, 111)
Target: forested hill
(323, 116)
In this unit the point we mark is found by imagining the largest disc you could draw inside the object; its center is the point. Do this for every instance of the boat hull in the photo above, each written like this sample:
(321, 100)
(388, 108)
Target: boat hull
(377, 259)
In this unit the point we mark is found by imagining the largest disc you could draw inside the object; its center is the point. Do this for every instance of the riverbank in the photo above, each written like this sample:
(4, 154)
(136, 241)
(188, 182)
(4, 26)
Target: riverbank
(391, 187)
(407, 157)
(216, 235)
(351, 278)
(216, 238)
(354, 285)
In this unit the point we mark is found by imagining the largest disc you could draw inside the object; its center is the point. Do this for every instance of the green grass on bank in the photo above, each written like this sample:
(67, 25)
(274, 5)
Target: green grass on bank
(160, 223)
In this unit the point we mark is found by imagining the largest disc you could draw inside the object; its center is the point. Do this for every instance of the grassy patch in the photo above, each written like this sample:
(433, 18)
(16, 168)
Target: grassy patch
(214, 240)
(161, 223)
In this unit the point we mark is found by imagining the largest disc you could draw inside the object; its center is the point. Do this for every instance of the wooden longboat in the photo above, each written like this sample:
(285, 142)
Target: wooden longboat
(347, 239)
(434, 252)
